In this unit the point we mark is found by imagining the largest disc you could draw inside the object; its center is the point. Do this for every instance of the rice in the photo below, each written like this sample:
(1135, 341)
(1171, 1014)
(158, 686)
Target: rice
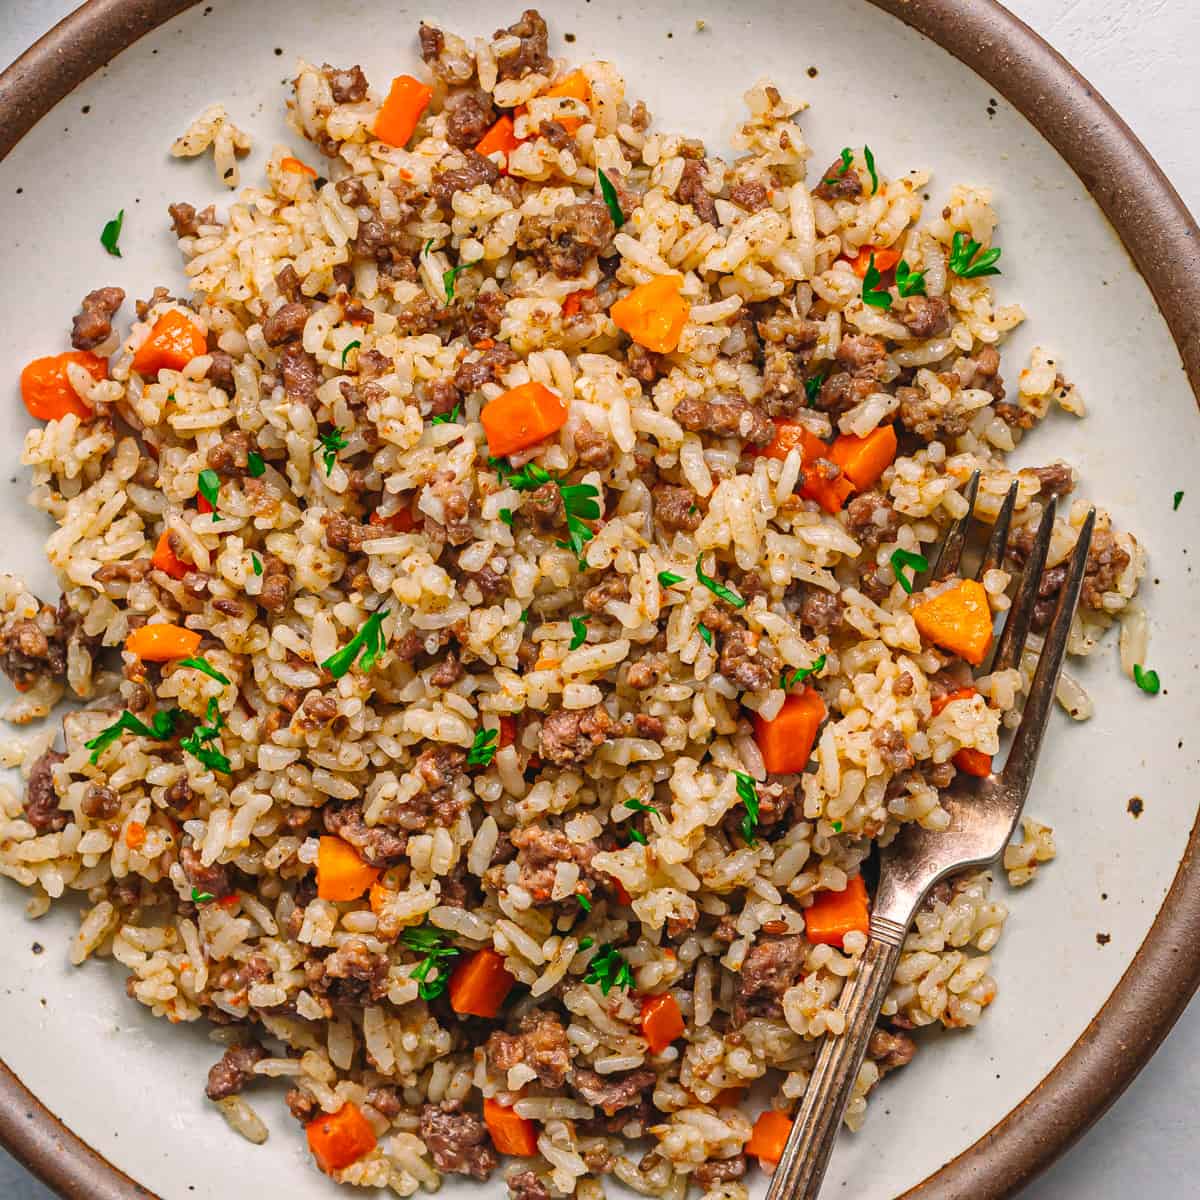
(460, 721)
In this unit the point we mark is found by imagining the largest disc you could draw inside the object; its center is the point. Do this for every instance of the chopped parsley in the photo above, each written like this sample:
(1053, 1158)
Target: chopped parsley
(963, 260)
(448, 278)
(161, 727)
(580, 502)
(837, 827)
(748, 795)
(705, 633)
(428, 941)
(199, 897)
(369, 640)
(608, 969)
(506, 515)
(636, 805)
(426, 248)
(847, 157)
(578, 632)
(800, 674)
(610, 199)
(585, 943)
(529, 478)
(872, 293)
(202, 664)
(636, 835)
(111, 233)
(483, 748)
(349, 346)
(871, 168)
(906, 558)
(255, 464)
(1147, 680)
(908, 281)
(718, 589)
(256, 563)
(448, 418)
(584, 902)
(331, 443)
(196, 742)
(1177, 502)
(210, 488)
(669, 578)
(812, 387)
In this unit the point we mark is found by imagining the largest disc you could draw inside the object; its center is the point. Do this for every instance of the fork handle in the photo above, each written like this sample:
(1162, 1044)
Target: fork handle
(805, 1158)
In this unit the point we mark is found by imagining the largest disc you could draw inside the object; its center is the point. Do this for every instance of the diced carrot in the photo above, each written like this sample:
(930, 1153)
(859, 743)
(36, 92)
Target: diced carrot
(499, 137)
(654, 313)
(885, 260)
(958, 620)
(769, 1136)
(864, 459)
(46, 390)
(574, 86)
(339, 1139)
(573, 303)
(790, 435)
(406, 101)
(939, 702)
(508, 732)
(480, 984)
(297, 167)
(341, 872)
(830, 494)
(485, 344)
(379, 897)
(165, 559)
(522, 417)
(162, 643)
(832, 915)
(727, 1096)
(546, 664)
(623, 897)
(229, 901)
(402, 520)
(662, 1022)
(173, 342)
(973, 762)
(511, 1133)
(786, 740)
(135, 835)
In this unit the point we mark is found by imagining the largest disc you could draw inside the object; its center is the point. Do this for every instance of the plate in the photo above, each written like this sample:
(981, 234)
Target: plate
(1099, 955)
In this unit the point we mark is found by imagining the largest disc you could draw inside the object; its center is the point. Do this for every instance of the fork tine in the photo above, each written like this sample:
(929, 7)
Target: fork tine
(993, 556)
(1018, 770)
(1020, 616)
(945, 563)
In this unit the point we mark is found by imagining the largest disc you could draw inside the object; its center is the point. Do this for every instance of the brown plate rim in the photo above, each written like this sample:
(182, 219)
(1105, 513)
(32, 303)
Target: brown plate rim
(1162, 238)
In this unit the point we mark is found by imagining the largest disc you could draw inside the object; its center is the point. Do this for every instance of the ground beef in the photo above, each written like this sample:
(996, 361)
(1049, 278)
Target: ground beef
(647, 671)
(432, 41)
(572, 736)
(889, 1050)
(725, 416)
(468, 119)
(675, 508)
(545, 507)
(456, 507)
(539, 851)
(611, 1092)
(302, 1105)
(780, 803)
(475, 170)
(1057, 479)
(487, 368)
(93, 323)
(231, 455)
(349, 536)
(871, 519)
(385, 241)
(213, 879)
(348, 84)
(985, 372)
(592, 448)
(33, 649)
(186, 221)
(893, 748)
(457, 1140)
(555, 132)
(449, 671)
(491, 584)
(285, 324)
(420, 315)
(533, 52)
(750, 194)
(316, 711)
(844, 389)
(858, 350)
(351, 191)
(770, 968)
(838, 182)
(784, 327)
(925, 316)
(220, 371)
(41, 800)
(387, 1101)
(301, 374)
(276, 583)
(541, 1045)
(784, 393)
(568, 239)
(650, 727)
(352, 974)
(377, 844)
(691, 191)
(100, 803)
(525, 1185)
(747, 660)
(234, 1071)
(440, 767)
(1106, 560)
(485, 314)
(612, 588)
(924, 416)
(720, 1170)
(644, 365)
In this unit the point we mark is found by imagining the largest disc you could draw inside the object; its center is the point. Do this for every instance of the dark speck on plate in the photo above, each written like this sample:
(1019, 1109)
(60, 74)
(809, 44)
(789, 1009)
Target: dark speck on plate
(1103, 895)
(1102, 939)
(568, 37)
(813, 72)
(37, 948)
(1135, 807)
(278, 50)
(87, 108)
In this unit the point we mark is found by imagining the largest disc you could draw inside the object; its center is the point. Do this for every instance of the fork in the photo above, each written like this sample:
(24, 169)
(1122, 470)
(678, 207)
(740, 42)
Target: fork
(983, 815)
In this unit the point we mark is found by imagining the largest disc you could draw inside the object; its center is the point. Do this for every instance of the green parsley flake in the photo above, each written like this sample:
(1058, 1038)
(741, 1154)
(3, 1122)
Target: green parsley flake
(255, 464)
(506, 515)
(161, 727)
(1147, 680)
(584, 902)
(585, 943)
(349, 346)
(669, 578)
(210, 488)
(608, 969)
(332, 442)
(448, 278)
(428, 941)
(871, 168)
(448, 418)
(872, 294)
(610, 199)
(705, 633)
(369, 639)
(196, 742)
(963, 261)
(483, 748)
(256, 563)
(812, 387)
(199, 897)
(635, 805)
(748, 794)
(908, 281)
(202, 664)
(426, 248)
(801, 674)
(636, 835)
(847, 157)
(906, 558)
(111, 232)
(717, 589)
(578, 632)
(837, 827)
(1178, 501)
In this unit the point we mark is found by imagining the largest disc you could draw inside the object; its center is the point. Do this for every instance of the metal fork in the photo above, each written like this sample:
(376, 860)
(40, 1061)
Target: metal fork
(983, 815)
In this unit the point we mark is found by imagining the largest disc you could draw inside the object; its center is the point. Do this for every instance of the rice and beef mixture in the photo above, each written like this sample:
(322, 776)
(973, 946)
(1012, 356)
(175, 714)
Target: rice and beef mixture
(458, 584)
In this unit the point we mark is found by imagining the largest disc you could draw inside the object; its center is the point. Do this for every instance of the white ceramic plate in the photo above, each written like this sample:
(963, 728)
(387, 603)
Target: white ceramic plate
(132, 1087)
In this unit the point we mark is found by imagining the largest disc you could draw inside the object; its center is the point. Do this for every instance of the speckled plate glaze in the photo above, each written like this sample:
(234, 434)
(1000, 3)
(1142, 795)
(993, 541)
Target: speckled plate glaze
(1099, 955)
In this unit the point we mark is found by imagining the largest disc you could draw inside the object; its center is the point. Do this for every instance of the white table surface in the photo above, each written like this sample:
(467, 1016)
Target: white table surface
(1143, 56)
